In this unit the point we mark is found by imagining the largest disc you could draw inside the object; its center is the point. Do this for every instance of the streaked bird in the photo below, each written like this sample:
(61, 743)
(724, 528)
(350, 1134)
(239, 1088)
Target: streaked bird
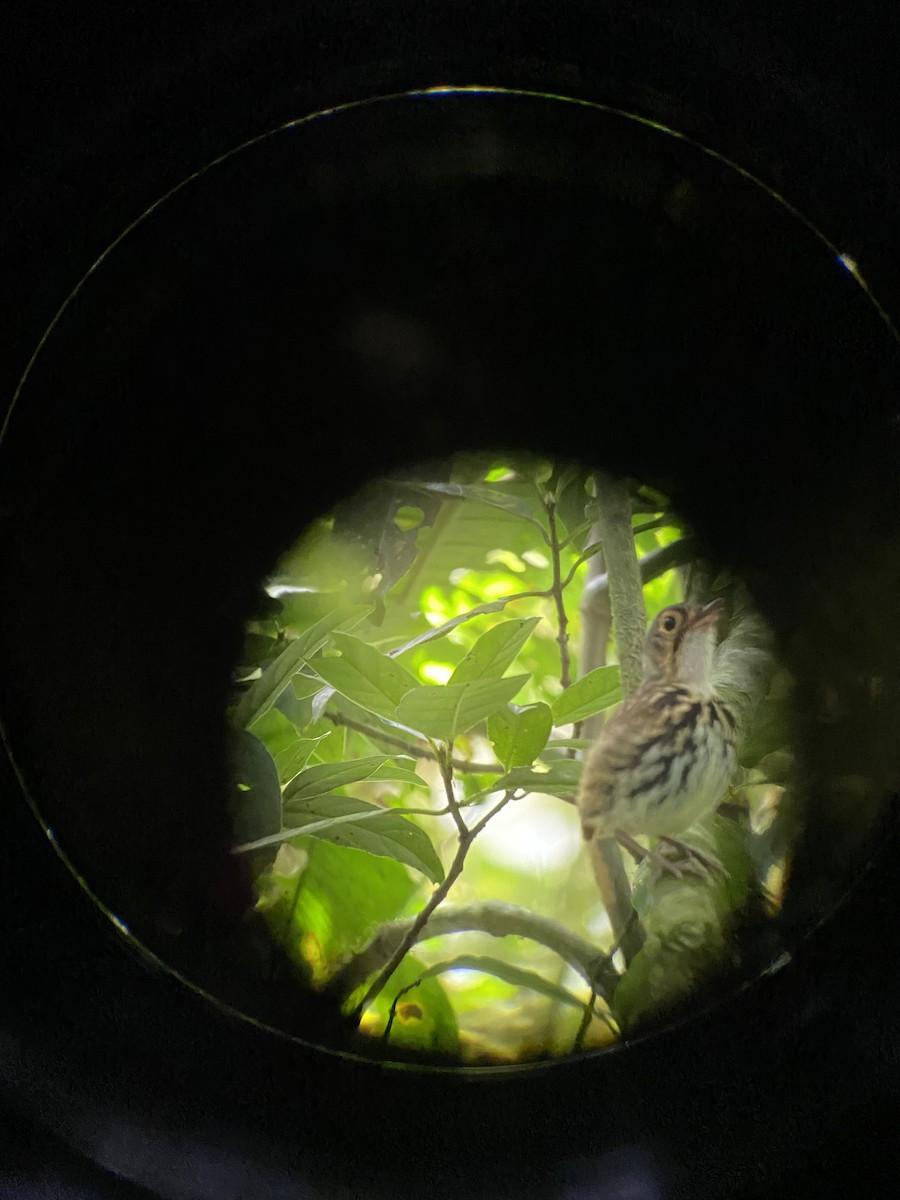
(665, 758)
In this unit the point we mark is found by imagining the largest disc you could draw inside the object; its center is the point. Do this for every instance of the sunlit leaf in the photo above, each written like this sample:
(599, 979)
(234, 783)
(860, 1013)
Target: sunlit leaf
(462, 538)
(325, 777)
(365, 676)
(295, 757)
(440, 631)
(372, 813)
(424, 1020)
(445, 712)
(339, 900)
(519, 734)
(396, 771)
(263, 693)
(590, 694)
(495, 650)
(275, 731)
(408, 516)
(357, 825)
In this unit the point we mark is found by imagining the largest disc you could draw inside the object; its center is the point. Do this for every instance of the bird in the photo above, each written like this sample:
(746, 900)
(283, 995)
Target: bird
(665, 758)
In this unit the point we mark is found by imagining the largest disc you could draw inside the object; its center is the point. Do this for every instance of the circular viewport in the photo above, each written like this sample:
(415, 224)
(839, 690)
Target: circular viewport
(487, 812)
(523, 750)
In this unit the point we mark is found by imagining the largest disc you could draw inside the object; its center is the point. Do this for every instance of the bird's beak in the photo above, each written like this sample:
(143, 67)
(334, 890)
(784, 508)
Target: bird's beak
(709, 613)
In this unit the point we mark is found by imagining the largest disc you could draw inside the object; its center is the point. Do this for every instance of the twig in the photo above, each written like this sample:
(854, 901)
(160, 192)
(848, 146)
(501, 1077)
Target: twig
(562, 621)
(490, 606)
(586, 1017)
(652, 565)
(491, 917)
(589, 552)
(443, 754)
(410, 748)
(419, 922)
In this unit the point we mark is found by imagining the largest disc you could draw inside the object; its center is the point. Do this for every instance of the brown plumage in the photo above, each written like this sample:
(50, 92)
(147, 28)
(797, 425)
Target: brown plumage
(665, 758)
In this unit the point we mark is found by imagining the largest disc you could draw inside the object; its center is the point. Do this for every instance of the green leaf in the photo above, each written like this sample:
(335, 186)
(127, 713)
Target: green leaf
(256, 807)
(494, 497)
(590, 694)
(297, 711)
(495, 650)
(519, 734)
(295, 757)
(560, 779)
(462, 537)
(341, 899)
(366, 676)
(440, 631)
(408, 516)
(396, 772)
(275, 731)
(445, 712)
(385, 833)
(327, 823)
(325, 777)
(569, 475)
(425, 1019)
(517, 976)
(263, 693)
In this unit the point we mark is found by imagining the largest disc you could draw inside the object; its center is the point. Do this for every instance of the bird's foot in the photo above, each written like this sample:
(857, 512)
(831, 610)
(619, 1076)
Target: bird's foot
(660, 863)
(672, 858)
(689, 858)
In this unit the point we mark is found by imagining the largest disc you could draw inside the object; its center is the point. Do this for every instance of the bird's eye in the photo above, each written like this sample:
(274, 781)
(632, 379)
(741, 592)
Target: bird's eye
(669, 622)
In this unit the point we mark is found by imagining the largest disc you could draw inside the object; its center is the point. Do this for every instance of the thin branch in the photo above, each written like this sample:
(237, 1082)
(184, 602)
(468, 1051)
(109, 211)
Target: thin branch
(419, 922)
(411, 748)
(654, 564)
(562, 620)
(468, 961)
(494, 918)
(576, 533)
(491, 813)
(626, 595)
(590, 551)
(596, 623)
(586, 1017)
(443, 760)
(491, 606)
(656, 523)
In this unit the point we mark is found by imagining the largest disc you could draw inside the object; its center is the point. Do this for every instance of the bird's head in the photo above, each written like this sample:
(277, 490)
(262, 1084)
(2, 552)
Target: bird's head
(681, 642)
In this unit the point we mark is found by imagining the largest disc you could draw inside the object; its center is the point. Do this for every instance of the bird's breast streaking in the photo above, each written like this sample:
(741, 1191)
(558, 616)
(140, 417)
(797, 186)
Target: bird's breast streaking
(666, 757)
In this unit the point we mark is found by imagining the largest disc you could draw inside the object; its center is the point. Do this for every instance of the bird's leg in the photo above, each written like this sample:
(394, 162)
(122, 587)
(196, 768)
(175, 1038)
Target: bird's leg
(660, 863)
(694, 859)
